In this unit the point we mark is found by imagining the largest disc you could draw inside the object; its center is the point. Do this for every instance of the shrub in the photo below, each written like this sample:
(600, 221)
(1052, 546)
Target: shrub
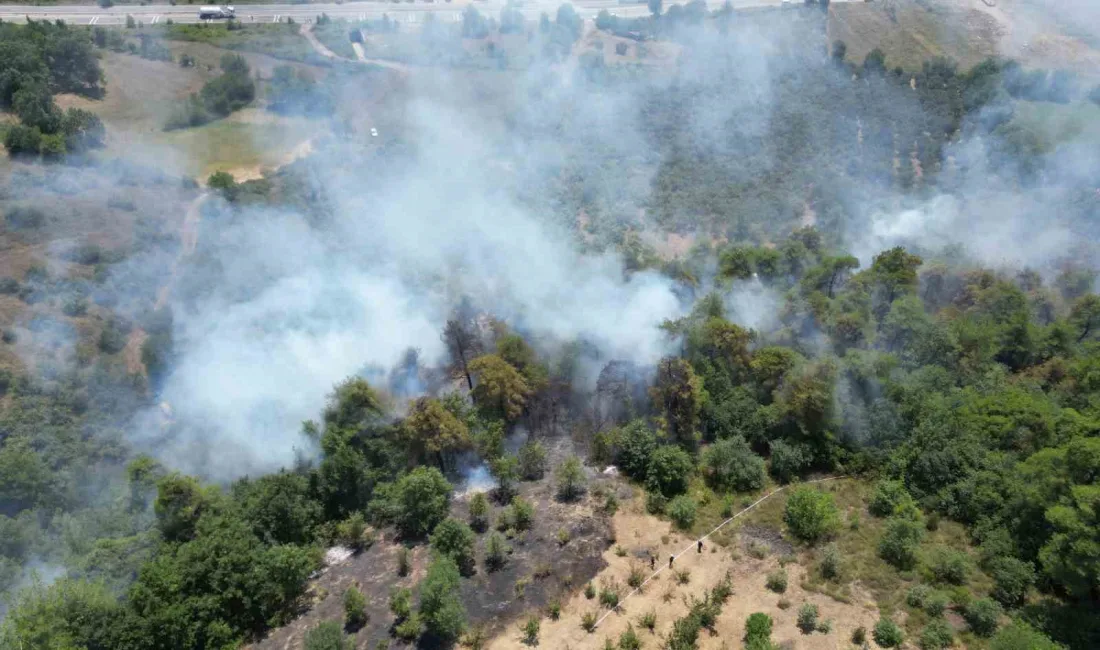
(532, 461)
(887, 633)
(859, 636)
(936, 604)
(523, 513)
(948, 565)
(496, 552)
(609, 594)
(777, 581)
(629, 640)
(830, 563)
(888, 498)
(326, 636)
(682, 512)
(571, 481)
(783, 604)
(732, 466)
(353, 532)
(917, 596)
(1012, 578)
(683, 576)
(825, 626)
(553, 610)
(610, 504)
(636, 577)
(899, 543)
(648, 620)
(23, 140)
(670, 469)
(401, 603)
(589, 591)
(563, 537)
(937, 635)
(441, 608)
(758, 626)
(807, 618)
(454, 539)
(531, 631)
(811, 515)
(409, 629)
(479, 512)
(788, 460)
(982, 616)
(402, 561)
(355, 609)
(655, 503)
(1021, 636)
(588, 622)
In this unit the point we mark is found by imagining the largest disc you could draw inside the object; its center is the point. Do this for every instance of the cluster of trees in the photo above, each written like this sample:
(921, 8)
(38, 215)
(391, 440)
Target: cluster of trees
(231, 91)
(37, 61)
(221, 566)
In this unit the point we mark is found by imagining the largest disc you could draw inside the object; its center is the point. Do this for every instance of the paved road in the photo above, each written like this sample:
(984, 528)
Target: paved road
(408, 11)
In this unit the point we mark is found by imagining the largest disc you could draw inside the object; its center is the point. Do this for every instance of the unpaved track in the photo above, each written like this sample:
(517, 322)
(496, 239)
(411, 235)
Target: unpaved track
(189, 240)
(360, 53)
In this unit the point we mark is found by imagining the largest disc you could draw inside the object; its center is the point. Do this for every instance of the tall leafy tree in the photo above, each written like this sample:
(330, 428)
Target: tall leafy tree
(500, 391)
(678, 394)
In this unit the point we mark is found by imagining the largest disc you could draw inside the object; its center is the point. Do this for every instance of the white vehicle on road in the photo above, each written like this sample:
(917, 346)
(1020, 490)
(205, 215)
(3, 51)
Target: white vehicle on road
(373, 132)
(214, 13)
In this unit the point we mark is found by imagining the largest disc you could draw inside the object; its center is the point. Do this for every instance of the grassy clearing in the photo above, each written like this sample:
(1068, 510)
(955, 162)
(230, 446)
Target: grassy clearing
(279, 40)
(911, 33)
(334, 36)
(241, 143)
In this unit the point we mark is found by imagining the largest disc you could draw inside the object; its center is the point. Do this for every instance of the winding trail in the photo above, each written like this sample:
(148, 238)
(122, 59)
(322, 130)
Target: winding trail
(189, 240)
(360, 53)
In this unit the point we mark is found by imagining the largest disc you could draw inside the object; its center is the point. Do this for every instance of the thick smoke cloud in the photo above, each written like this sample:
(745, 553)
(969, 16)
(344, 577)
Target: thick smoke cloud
(304, 304)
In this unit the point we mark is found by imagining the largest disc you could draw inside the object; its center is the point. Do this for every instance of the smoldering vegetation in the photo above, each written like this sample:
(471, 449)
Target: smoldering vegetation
(513, 260)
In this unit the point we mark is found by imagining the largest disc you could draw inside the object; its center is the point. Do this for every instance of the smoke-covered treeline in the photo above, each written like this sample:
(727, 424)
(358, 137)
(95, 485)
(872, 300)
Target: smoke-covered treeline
(496, 266)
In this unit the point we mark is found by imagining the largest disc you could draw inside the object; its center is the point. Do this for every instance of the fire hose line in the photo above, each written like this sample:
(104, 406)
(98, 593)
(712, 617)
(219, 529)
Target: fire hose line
(714, 530)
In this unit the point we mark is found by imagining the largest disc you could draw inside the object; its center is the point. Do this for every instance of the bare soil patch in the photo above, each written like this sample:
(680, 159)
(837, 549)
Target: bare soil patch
(640, 534)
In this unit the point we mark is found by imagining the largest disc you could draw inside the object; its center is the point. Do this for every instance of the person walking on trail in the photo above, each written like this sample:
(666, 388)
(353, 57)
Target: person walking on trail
(652, 561)
(700, 546)
(670, 559)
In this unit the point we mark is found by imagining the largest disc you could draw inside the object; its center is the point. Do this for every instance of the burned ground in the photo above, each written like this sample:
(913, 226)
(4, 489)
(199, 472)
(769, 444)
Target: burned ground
(539, 568)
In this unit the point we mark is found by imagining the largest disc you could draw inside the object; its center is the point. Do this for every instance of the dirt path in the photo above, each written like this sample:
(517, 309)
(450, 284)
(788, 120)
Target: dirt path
(360, 53)
(189, 240)
(132, 352)
(307, 31)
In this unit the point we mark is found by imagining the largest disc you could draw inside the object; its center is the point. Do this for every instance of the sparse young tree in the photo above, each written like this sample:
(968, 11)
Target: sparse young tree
(455, 540)
(441, 608)
(326, 636)
(811, 514)
(570, 479)
(355, 609)
(479, 512)
(532, 460)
